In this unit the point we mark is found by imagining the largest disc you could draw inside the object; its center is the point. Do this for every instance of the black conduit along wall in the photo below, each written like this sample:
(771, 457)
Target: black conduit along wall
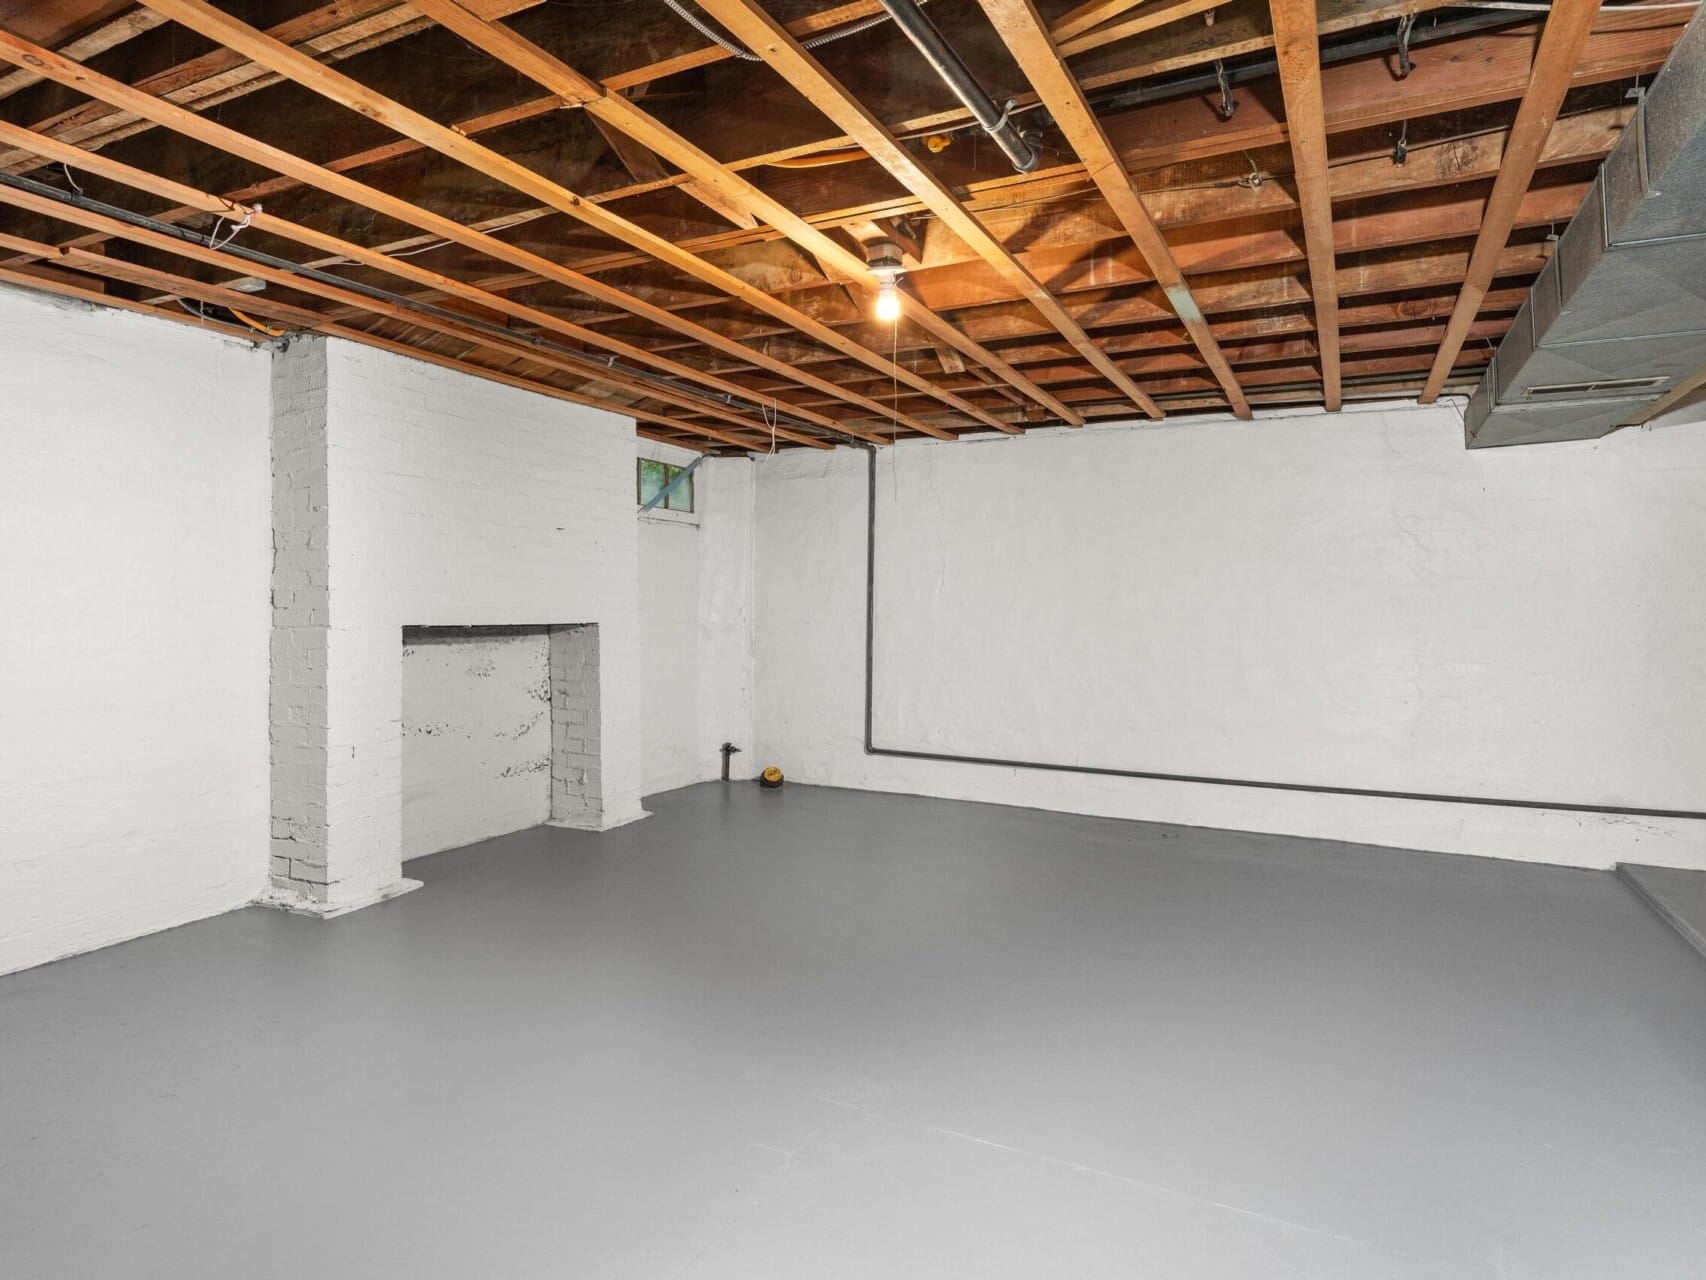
(872, 749)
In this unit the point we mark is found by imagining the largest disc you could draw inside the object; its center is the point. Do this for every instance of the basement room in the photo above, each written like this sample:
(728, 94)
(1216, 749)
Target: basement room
(816, 639)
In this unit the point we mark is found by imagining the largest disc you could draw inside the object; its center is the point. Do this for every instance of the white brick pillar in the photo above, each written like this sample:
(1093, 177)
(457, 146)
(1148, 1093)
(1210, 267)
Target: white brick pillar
(336, 834)
(577, 782)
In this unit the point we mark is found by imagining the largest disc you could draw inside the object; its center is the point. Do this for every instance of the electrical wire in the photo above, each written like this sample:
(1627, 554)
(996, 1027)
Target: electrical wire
(213, 240)
(247, 255)
(714, 36)
(256, 324)
(409, 253)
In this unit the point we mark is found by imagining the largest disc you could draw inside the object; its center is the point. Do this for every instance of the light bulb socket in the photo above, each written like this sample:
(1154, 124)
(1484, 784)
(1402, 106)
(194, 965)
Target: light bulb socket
(883, 258)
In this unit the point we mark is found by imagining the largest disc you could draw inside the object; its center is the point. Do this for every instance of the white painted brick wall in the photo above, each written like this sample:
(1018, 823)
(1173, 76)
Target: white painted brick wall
(300, 605)
(696, 616)
(476, 737)
(134, 553)
(451, 502)
(1345, 599)
(576, 728)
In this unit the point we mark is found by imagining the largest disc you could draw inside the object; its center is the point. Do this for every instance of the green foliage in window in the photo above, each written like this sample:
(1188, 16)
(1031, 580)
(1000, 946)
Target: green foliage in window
(681, 497)
(651, 478)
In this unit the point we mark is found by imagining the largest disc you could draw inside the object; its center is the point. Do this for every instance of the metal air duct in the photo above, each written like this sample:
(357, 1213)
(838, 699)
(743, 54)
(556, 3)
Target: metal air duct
(1618, 315)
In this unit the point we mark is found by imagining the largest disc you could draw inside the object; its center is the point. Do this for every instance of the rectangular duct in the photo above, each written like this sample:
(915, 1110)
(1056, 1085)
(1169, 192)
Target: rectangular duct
(1618, 315)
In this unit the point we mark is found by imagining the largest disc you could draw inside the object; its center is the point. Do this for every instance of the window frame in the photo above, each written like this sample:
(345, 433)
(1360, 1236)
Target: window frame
(670, 471)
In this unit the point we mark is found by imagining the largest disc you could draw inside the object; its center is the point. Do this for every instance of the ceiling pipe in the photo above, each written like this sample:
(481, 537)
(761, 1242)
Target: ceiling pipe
(957, 76)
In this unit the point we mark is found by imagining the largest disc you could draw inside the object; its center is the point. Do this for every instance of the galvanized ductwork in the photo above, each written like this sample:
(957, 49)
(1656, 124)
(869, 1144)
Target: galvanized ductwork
(1618, 316)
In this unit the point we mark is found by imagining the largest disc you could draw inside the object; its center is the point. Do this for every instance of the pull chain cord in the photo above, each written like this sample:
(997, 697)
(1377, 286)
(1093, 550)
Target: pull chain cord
(894, 384)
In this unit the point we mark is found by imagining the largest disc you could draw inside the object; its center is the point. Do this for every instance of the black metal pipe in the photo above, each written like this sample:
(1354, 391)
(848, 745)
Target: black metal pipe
(958, 77)
(871, 749)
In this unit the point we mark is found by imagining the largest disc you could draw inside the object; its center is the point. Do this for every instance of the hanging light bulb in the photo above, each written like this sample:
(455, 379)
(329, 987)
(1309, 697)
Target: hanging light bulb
(888, 302)
(883, 257)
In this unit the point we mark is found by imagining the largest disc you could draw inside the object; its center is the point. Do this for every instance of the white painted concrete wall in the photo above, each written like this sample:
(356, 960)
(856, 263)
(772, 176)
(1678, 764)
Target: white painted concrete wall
(134, 551)
(1350, 600)
(669, 650)
(455, 501)
(476, 738)
(696, 620)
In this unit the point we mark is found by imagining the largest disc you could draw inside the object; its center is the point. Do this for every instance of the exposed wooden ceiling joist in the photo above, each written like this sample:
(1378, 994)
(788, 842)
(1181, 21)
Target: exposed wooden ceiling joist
(750, 24)
(1297, 44)
(332, 84)
(83, 260)
(405, 270)
(1027, 291)
(213, 134)
(1028, 38)
(621, 114)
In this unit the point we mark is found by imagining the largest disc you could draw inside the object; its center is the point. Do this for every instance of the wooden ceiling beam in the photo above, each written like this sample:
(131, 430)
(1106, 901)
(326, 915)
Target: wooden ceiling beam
(1089, 16)
(336, 30)
(1459, 76)
(1307, 374)
(1089, 223)
(105, 36)
(229, 299)
(403, 269)
(644, 166)
(1297, 45)
(1149, 360)
(1561, 43)
(1078, 282)
(708, 173)
(1336, 15)
(50, 280)
(215, 25)
(1465, 68)
(1366, 326)
(1240, 292)
(960, 289)
(190, 124)
(1363, 326)
(1169, 50)
(758, 31)
(1028, 39)
(1159, 14)
(96, 263)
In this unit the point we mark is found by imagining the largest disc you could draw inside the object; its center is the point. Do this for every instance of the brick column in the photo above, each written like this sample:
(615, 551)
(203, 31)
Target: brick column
(332, 849)
(577, 785)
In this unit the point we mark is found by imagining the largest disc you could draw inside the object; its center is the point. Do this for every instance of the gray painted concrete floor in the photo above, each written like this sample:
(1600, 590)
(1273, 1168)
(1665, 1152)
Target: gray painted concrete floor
(819, 1033)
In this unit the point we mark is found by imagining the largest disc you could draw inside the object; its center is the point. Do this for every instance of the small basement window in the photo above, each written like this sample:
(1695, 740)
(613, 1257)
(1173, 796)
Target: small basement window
(652, 477)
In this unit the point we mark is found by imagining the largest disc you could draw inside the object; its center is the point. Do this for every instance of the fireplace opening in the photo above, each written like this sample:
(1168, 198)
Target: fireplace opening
(500, 732)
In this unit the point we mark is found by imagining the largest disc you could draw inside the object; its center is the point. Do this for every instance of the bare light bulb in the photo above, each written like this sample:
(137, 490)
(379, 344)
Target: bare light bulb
(888, 303)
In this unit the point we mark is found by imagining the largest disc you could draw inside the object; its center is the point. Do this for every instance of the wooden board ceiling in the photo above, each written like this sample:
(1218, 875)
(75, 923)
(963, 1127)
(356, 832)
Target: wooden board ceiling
(595, 200)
